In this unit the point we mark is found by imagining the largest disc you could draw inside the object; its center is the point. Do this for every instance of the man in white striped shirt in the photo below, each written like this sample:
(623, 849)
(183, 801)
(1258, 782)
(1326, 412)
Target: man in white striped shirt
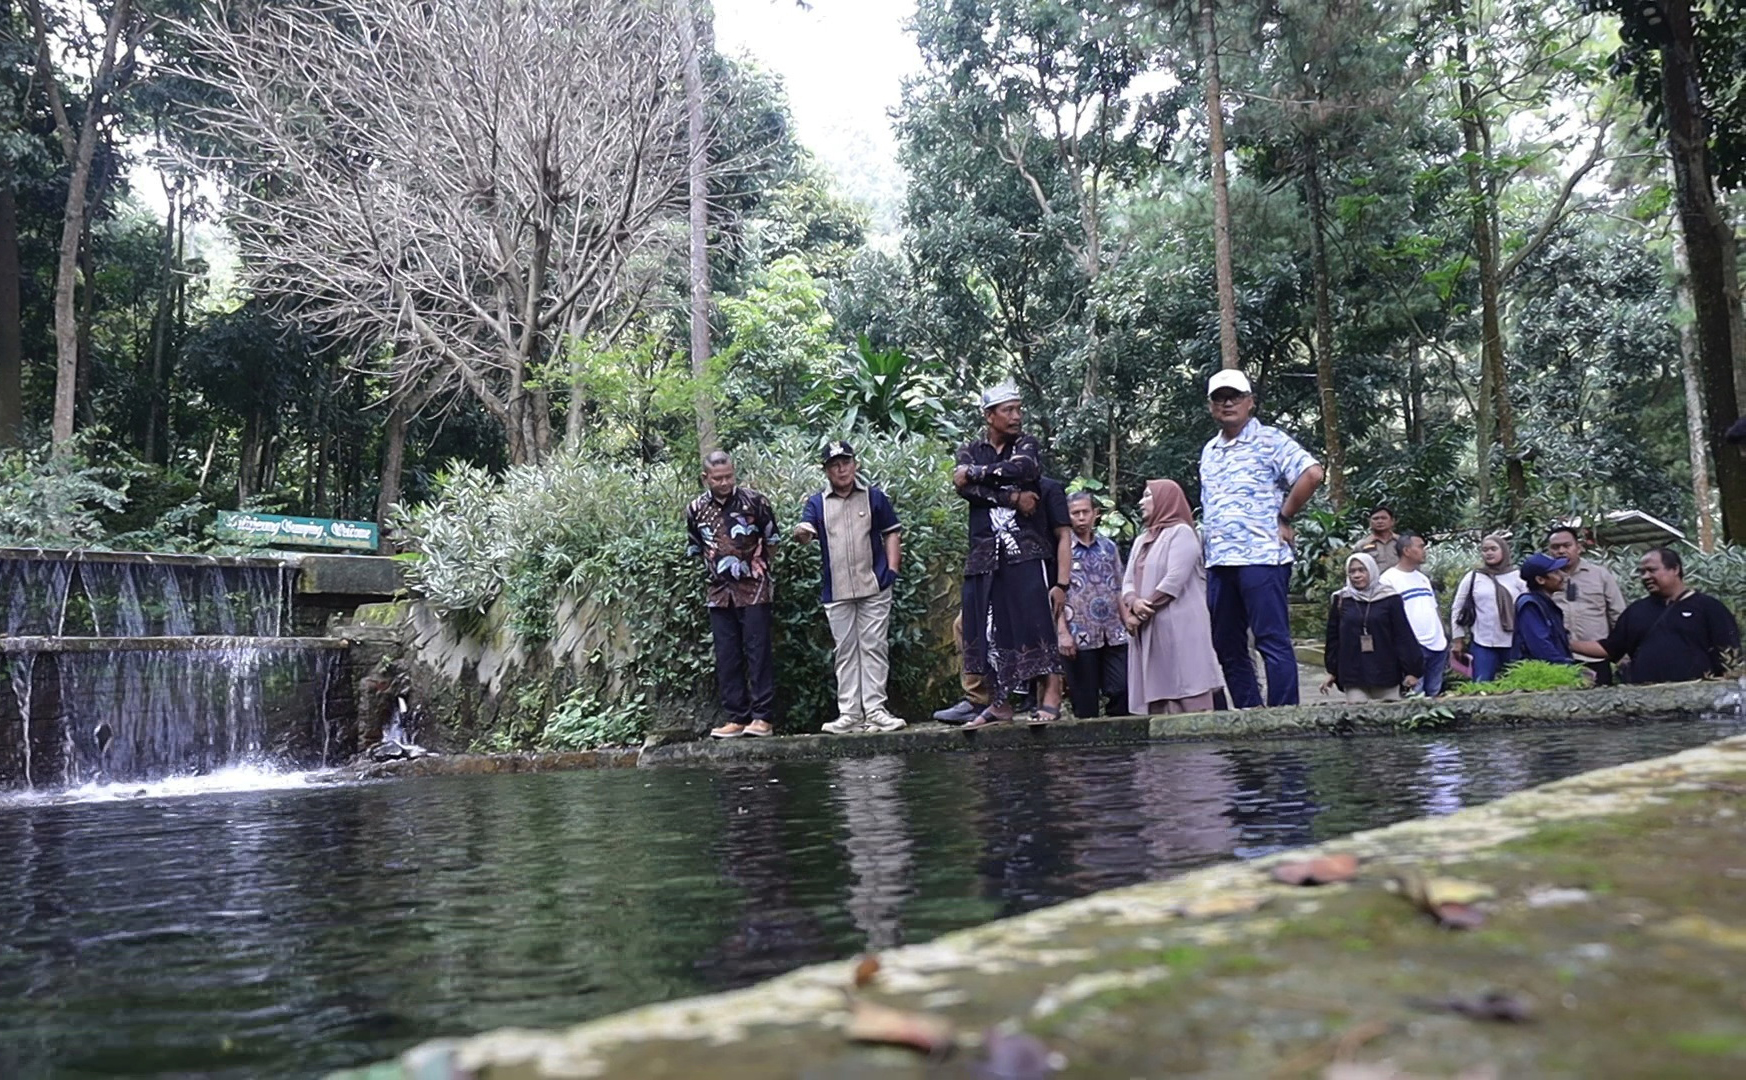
(1421, 609)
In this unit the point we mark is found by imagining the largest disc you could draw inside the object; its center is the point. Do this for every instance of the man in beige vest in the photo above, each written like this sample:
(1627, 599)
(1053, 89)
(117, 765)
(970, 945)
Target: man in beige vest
(1591, 598)
(860, 541)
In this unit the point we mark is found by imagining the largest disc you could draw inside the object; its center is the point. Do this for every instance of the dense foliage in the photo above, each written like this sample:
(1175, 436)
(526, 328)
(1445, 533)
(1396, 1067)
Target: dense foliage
(586, 559)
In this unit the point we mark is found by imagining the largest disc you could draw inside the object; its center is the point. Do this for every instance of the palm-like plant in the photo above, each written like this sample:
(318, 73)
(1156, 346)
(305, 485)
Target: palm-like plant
(885, 391)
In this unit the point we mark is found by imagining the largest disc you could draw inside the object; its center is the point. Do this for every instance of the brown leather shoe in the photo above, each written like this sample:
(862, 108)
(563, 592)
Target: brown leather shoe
(759, 727)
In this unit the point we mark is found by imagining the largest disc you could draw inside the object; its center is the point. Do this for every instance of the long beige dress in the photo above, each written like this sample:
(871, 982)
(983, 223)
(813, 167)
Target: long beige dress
(1171, 663)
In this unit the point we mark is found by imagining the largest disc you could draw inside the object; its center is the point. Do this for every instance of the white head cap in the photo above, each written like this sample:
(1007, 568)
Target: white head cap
(999, 395)
(1228, 379)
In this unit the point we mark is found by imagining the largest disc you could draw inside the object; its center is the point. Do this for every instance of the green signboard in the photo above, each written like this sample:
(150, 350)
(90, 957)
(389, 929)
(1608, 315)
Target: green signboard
(241, 527)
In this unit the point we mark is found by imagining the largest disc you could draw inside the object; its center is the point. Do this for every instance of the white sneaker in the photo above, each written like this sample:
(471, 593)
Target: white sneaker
(884, 721)
(843, 725)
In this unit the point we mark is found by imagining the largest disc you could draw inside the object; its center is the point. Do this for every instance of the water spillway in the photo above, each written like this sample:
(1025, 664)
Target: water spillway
(130, 667)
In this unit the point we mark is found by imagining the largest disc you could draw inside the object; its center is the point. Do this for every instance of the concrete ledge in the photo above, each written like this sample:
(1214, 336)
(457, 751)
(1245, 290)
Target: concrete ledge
(1300, 721)
(482, 764)
(1611, 908)
(146, 558)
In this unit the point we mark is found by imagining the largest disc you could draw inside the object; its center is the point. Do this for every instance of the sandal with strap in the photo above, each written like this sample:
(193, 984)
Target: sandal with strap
(1045, 714)
(984, 718)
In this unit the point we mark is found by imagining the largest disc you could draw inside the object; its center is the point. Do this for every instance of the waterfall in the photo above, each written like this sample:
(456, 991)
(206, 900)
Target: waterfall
(36, 596)
(175, 666)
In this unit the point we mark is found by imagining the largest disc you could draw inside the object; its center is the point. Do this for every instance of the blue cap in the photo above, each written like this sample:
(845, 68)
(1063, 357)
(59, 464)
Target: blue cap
(1538, 564)
(835, 449)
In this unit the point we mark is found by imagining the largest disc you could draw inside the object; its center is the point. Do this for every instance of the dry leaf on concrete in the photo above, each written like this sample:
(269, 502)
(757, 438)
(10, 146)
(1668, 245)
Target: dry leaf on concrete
(874, 1023)
(866, 967)
(1448, 900)
(1322, 870)
(1498, 1005)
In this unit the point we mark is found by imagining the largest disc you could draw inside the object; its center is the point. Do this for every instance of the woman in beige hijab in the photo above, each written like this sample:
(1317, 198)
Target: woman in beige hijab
(1171, 664)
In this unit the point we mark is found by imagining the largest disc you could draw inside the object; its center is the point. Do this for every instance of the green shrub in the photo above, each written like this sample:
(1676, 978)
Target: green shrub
(587, 558)
(1528, 675)
(58, 500)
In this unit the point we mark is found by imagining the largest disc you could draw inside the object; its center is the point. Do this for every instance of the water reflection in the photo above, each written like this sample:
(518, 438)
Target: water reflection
(258, 933)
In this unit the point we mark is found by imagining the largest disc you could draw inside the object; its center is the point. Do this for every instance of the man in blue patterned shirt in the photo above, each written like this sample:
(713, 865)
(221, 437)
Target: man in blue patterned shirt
(1253, 480)
(1093, 639)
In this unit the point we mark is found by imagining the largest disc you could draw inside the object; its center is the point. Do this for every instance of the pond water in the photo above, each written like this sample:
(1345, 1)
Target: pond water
(287, 932)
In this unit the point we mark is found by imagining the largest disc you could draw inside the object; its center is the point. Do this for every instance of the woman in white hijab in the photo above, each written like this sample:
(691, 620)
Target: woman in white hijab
(1370, 650)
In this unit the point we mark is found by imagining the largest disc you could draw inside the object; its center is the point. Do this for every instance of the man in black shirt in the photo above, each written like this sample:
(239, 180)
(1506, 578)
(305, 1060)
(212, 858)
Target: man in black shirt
(1674, 634)
(1008, 614)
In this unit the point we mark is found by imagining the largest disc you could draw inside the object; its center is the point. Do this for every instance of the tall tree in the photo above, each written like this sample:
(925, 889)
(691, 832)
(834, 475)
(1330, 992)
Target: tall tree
(1215, 125)
(697, 203)
(467, 179)
(1685, 59)
(112, 67)
(1509, 60)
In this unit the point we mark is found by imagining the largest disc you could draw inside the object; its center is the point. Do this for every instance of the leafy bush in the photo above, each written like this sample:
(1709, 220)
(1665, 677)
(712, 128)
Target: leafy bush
(50, 499)
(587, 558)
(1527, 675)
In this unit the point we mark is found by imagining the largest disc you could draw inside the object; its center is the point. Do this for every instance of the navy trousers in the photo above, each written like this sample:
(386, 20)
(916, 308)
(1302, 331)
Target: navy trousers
(1098, 675)
(745, 669)
(1251, 599)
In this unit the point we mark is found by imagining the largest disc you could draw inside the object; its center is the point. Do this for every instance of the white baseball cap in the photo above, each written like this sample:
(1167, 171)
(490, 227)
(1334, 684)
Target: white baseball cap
(1228, 379)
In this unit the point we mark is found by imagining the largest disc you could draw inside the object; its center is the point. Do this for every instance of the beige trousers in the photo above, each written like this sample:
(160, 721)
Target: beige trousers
(863, 653)
(1360, 694)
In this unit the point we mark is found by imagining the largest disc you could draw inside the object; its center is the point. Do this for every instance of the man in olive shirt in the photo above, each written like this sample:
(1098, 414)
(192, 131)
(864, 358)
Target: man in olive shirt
(1675, 634)
(1591, 598)
(1379, 545)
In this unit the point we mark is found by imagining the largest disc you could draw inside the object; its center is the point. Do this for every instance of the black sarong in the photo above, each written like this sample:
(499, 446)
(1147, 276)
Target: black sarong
(1009, 628)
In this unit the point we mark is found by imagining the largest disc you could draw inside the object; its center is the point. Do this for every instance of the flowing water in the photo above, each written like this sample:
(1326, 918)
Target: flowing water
(285, 932)
(134, 670)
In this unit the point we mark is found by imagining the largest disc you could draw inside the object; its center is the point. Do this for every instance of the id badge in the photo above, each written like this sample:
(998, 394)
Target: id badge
(1366, 643)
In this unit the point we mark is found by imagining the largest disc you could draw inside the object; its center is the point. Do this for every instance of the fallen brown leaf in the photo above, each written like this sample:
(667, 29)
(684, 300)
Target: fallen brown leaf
(1499, 1005)
(1458, 916)
(1448, 900)
(874, 1023)
(1322, 870)
(866, 967)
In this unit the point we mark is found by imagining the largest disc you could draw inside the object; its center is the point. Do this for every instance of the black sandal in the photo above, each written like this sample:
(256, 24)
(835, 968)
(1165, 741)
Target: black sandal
(984, 718)
(1045, 714)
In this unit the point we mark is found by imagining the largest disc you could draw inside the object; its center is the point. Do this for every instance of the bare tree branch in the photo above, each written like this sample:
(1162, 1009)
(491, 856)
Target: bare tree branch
(468, 179)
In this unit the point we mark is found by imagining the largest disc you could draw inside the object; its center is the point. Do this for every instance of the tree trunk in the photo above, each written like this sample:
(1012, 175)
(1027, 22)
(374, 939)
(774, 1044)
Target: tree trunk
(393, 460)
(1495, 418)
(161, 316)
(1697, 439)
(697, 193)
(1215, 122)
(248, 458)
(87, 318)
(80, 149)
(1324, 330)
(1710, 250)
(11, 326)
(1416, 394)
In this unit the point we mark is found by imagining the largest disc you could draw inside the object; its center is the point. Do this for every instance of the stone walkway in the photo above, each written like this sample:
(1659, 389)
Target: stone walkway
(1606, 938)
